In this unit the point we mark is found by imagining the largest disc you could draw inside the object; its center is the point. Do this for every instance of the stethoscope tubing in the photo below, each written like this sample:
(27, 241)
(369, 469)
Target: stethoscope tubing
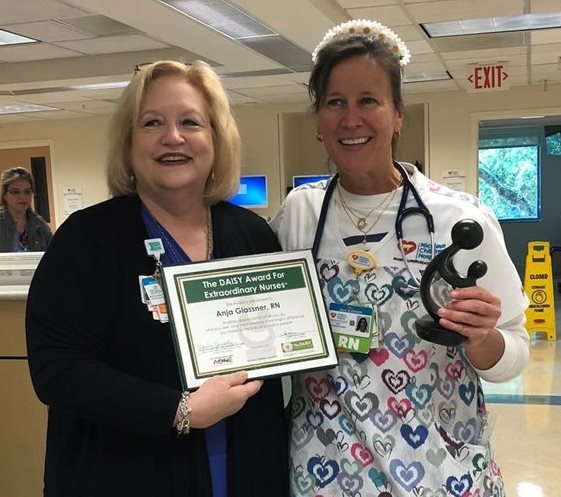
(402, 213)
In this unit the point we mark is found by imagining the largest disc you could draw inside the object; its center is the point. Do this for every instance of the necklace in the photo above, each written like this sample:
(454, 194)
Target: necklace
(360, 222)
(209, 235)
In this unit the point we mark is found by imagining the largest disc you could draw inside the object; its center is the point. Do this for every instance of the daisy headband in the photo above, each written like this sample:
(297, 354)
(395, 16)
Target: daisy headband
(366, 29)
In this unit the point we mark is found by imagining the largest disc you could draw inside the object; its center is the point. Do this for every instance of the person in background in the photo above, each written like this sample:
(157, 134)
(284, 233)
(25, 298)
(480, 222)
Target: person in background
(406, 418)
(119, 423)
(21, 229)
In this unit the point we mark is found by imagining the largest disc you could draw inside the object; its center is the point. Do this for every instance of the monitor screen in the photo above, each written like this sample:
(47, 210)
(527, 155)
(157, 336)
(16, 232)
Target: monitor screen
(300, 180)
(252, 192)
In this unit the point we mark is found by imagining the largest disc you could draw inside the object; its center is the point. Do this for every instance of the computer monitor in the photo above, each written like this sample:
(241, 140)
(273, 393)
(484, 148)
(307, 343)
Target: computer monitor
(252, 192)
(308, 178)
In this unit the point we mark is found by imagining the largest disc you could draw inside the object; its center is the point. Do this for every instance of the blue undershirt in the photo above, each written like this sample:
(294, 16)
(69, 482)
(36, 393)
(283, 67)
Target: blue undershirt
(216, 434)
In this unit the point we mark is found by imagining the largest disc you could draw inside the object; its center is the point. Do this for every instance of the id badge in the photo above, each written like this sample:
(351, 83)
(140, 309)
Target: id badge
(353, 327)
(151, 290)
(151, 294)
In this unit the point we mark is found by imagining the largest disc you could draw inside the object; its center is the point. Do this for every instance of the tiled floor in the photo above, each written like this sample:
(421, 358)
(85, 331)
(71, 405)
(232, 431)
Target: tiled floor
(526, 414)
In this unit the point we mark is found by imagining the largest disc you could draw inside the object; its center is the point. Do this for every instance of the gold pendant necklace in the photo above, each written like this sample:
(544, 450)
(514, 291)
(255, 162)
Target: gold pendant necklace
(361, 222)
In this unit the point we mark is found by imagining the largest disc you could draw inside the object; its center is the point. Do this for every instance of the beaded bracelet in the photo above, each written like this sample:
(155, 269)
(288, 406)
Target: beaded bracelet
(183, 422)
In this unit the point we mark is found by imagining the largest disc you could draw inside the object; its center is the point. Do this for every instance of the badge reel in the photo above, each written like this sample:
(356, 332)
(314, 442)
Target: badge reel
(355, 327)
(151, 292)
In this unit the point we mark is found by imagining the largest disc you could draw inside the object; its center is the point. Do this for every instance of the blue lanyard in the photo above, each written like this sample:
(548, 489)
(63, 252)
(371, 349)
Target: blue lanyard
(174, 254)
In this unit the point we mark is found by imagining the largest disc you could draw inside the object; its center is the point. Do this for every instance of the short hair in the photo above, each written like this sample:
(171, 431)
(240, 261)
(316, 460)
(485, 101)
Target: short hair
(341, 49)
(223, 182)
(9, 176)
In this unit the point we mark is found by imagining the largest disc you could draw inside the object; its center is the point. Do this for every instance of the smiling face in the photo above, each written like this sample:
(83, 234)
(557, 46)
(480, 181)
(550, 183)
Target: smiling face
(18, 197)
(172, 143)
(357, 117)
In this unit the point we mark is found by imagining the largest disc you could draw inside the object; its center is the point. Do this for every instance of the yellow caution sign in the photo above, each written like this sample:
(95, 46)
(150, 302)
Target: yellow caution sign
(538, 284)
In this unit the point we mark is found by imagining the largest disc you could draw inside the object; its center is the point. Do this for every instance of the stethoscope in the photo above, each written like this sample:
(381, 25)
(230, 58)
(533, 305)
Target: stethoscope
(402, 213)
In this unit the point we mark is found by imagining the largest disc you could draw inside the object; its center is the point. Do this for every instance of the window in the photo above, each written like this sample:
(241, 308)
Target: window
(509, 173)
(553, 140)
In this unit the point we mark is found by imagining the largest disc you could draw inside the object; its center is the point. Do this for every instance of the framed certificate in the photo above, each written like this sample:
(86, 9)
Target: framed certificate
(262, 313)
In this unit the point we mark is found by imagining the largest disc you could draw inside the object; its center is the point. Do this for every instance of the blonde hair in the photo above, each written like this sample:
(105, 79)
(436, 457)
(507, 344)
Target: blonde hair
(223, 181)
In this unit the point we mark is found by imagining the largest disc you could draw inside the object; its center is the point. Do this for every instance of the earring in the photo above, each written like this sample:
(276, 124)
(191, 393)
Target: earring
(319, 138)
(397, 133)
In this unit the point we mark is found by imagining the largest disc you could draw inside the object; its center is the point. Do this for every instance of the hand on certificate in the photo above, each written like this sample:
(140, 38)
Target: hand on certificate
(220, 397)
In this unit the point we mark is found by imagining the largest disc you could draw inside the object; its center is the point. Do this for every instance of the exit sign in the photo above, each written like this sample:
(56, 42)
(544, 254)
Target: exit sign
(489, 77)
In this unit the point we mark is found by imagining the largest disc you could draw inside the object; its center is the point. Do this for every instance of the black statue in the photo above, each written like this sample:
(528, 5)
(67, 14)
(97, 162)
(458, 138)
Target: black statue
(466, 234)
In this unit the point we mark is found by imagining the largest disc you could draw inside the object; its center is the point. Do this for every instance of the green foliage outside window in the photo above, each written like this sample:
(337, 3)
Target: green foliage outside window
(553, 144)
(509, 177)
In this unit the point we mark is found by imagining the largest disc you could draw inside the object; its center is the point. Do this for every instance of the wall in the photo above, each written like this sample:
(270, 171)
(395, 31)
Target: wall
(78, 149)
(78, 146)
(454, 118)
(411, 145)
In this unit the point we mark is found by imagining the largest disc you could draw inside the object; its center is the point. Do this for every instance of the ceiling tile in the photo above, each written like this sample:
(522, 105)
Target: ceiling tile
(108, 94)
(35, 10)
(88, 106)
(46, 31)
(419, 47)
(266, 92)
(58, 114)
(33, 51)
(15, 118)
(543, 57)
(112, 44)
(453, 10)
(490, 53)
(288, 98)
(552, 47)
(514, 60)
(480, 42)
(98, 25)
(422, 87)
(546, 36)
(433, 68)
(409, 33)
(351, 4)
(237, 98)
(425, 58)
(48, 98)
(390, 16)
(546, 71)
(542, 6)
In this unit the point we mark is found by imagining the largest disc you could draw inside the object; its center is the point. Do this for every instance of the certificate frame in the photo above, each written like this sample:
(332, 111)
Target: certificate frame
(263, 314)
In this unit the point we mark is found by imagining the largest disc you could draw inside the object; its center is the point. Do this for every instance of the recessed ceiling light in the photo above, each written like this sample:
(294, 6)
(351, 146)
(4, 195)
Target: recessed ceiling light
(101, 86)
(21, 108)
(524, 22)
(221, 16)
(7, 38)
(423, 77)
(237, 24)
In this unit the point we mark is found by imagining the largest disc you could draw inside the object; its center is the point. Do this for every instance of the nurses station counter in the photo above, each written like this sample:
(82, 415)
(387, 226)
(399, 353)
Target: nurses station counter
(23, 419)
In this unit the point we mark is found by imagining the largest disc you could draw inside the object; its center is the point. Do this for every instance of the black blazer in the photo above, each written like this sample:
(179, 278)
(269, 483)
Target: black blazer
(109, 375)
